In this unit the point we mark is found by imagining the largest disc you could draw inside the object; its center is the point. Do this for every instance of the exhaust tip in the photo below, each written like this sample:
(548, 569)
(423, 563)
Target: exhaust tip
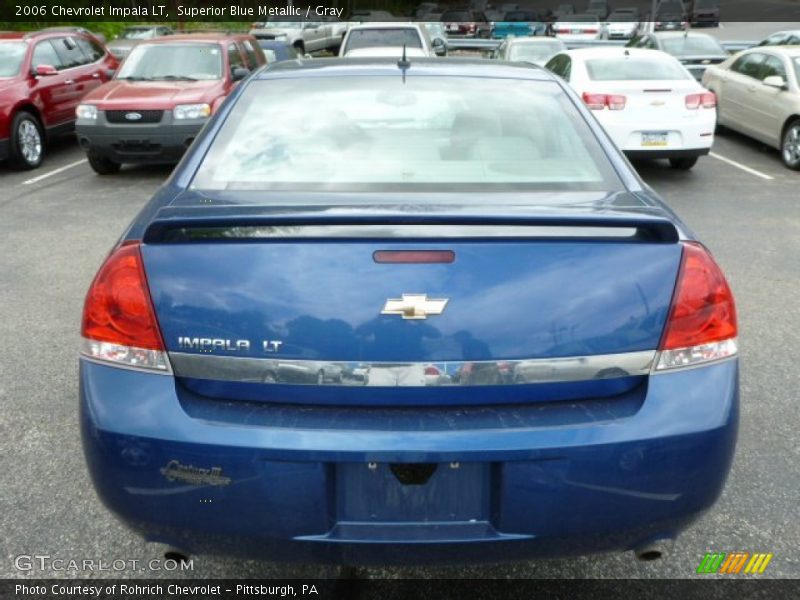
(652, 551)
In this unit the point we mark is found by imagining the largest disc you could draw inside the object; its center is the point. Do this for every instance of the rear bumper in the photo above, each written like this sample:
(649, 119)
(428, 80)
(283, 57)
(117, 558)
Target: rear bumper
(163, 142)
(210, 477)
(691, 137)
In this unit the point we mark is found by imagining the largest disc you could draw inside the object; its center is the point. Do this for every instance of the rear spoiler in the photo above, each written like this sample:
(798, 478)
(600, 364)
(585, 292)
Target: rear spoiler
(177, 225)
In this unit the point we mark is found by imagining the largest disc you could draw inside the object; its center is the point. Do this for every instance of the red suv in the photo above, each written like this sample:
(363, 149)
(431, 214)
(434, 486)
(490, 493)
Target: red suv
(43, 77)
(163, 94)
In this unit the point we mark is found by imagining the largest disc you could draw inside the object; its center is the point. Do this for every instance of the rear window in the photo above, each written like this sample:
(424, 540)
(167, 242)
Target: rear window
(581, 19)
(534, 51)
(383, 134)
(173, 61)
(376, 38)
(635, 68)
(11, 57)
(691, 45)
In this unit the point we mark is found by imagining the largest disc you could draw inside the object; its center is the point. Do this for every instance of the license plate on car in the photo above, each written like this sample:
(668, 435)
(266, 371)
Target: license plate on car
(650, 139)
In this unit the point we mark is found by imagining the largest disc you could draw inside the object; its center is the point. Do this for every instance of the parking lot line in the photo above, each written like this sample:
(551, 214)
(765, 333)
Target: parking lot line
(738, 165)
(54, 172)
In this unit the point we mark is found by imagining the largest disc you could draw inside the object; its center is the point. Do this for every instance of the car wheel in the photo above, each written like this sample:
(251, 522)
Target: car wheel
(790, 146)
(102, 165)
(683, 164)
(27, 141)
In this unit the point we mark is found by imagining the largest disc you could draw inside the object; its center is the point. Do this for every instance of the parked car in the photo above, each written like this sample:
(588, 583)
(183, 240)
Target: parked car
(624, 24)
(758, 94)
(305, 36)
(463, 22)
(518, 23)
(275, 51)
(704, 12)
(236, 249)
(670, 16)
(425, 9)
(782, 38)
(536, 50)
(122, 45)
(387, 39)
(162, 97)
(43, 77)
(645, 99)
(578, 28)
(696, 51)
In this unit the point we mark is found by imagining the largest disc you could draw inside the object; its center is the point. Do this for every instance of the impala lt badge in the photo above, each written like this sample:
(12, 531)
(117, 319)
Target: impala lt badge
(414, 306)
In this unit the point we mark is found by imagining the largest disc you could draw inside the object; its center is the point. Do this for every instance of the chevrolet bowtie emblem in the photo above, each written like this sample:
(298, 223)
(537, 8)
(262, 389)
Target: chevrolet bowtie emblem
(414, 306)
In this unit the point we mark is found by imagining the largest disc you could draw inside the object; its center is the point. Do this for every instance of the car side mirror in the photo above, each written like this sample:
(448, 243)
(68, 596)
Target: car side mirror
(775, 81)
(240, 73)
(439, 47)
(45, 71)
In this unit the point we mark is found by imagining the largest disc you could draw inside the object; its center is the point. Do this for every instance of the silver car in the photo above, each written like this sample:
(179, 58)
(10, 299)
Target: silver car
(758, 94)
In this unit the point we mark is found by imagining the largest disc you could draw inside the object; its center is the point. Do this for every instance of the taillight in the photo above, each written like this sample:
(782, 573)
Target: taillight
(701, 325)
(590, 31)
(706, 100)
(601, 101)
(562, 30)
(119, 322)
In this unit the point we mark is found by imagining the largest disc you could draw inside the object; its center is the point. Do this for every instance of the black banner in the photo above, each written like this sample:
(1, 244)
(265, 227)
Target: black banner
(398, 589)
(246, 11)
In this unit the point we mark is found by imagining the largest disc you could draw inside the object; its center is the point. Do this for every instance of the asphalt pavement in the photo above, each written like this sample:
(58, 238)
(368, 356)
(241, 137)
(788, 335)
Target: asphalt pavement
(58, 223)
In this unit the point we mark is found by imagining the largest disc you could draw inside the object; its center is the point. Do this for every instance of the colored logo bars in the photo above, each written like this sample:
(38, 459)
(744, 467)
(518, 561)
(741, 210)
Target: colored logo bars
(733, 563)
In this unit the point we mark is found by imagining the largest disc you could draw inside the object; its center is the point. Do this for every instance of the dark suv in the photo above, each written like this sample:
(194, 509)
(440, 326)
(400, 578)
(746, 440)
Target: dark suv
(43, 77)
(163, 94)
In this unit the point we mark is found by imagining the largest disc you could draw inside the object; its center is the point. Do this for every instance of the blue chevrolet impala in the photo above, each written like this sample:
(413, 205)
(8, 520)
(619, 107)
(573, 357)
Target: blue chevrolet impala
(408, 313)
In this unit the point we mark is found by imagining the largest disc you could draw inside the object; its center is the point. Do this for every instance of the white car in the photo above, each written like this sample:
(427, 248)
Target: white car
(646, 100)
(387, 39)
(580, 28)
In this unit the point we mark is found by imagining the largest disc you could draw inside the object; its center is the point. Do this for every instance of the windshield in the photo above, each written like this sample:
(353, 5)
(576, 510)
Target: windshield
(11, 56)
(384, 134)
(377, 38)
(622, 17)
(634, 69)
(173, 61)
(540, 51)
(692, 45)
(138, 33)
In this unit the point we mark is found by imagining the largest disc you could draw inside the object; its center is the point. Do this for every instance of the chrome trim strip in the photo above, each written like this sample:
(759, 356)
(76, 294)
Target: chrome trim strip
(394, 231)
(387, 374)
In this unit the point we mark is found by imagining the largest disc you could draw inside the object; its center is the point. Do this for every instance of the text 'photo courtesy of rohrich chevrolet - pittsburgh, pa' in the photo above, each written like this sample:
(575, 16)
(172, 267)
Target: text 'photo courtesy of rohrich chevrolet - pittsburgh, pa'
(452, 290)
